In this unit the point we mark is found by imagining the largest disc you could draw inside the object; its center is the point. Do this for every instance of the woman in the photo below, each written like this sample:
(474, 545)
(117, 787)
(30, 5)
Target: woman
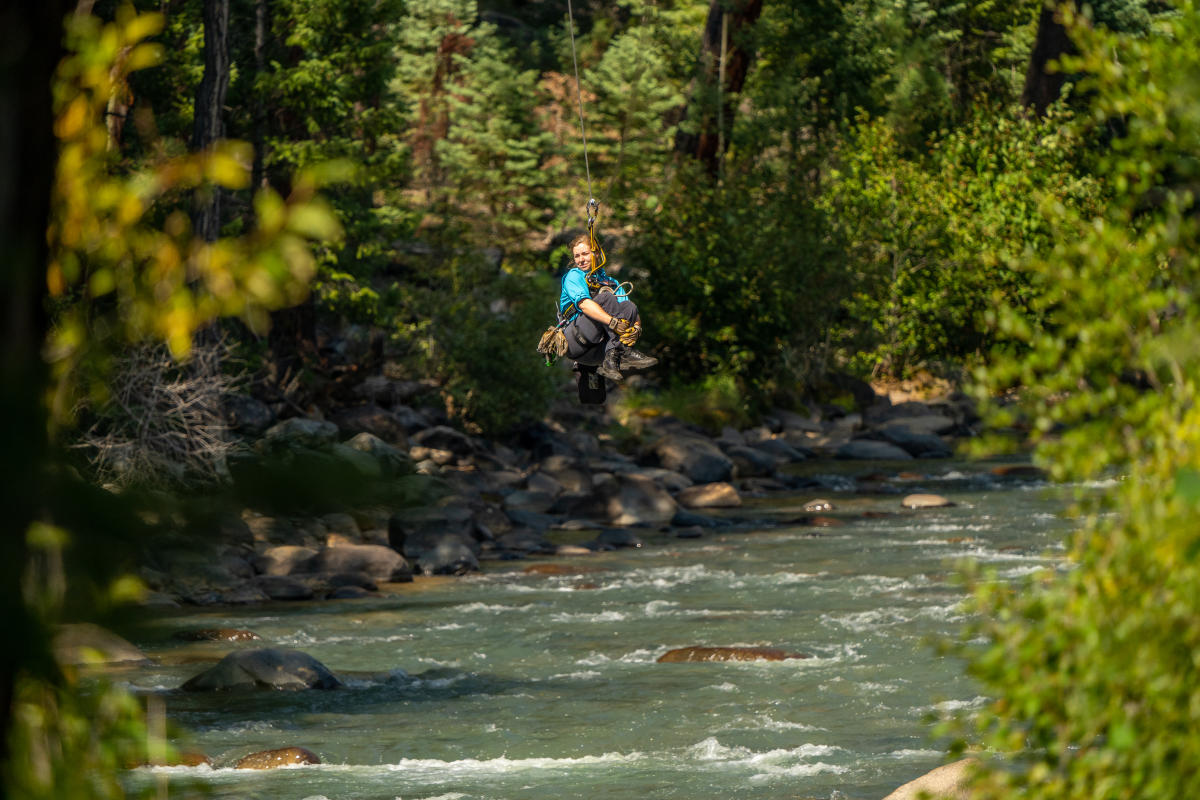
(601, 323)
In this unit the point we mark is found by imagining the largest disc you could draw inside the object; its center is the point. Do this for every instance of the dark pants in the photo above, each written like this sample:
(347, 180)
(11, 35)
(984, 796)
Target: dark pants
(588, 340)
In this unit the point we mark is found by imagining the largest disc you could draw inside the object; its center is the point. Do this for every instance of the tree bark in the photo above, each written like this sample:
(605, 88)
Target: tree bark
(208, 124)
(715, 113)
(30, 49)
(1042, 87)
(258, 173)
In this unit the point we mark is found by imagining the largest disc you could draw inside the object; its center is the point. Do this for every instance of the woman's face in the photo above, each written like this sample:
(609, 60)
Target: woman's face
(582, 255)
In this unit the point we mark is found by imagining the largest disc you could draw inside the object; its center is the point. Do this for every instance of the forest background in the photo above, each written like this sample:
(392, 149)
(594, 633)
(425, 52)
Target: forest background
(873, 187)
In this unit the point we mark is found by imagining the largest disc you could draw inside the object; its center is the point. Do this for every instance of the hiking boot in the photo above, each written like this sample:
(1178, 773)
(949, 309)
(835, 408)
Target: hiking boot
(632, 359)
(611, 366)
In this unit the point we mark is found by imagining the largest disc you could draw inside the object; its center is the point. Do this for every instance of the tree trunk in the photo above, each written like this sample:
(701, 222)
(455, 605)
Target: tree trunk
(1042, 87)
(258, 173)
(30, 48)
(208, 123)
(712, 98)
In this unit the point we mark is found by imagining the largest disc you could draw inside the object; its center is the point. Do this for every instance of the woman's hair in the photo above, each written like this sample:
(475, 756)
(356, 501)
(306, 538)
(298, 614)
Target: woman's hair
(582, 238)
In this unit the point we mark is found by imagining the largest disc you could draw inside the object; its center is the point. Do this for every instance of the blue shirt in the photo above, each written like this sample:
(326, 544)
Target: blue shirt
(576, 289)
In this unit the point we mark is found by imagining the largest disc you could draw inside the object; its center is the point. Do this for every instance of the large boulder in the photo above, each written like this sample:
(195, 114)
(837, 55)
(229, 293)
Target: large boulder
(698, 458)
(264, 668)
(867, 449)
(628, 500)
(751, 462)
(391, 460)
(299, 432)
(449, 556)
(247, 415)
(921, 445)
(947, 782)
(284, 587)
(780, 449)
(373, 420)
(282, 757)
(287, 559)
(709, 495)
(373, 560)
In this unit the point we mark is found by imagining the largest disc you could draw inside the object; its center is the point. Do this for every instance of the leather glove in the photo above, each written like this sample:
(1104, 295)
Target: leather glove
(629, 337)
(618, 325)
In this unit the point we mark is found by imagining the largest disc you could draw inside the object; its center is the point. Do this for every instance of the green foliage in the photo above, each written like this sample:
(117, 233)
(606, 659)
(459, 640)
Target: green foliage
(1095, 667)
(481, 354)
(713, 402)
(736, 282)
(933, 241)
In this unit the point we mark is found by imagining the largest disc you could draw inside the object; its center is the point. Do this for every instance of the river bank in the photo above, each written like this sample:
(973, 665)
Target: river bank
(571, 485)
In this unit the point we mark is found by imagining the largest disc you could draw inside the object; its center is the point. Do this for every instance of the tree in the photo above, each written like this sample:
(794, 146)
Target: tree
(726, 53)
(122, 264)
(1094, 667)
(208, 123)
(30, 46)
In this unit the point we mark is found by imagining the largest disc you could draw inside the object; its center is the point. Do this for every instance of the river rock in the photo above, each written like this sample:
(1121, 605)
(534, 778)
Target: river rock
(921, 445)
(947, 782)
(85, 643)
(217, 635)
(616, 538)
(750, 462)
(819, 504)
(371, 419)
(688, 654)
(924, 423)
(449, 556)
(373, 560)
(264, 668)
(391, 460)
(781, 450)
(247, 415)
(669, 479)
(284, 587)
(925, 501)
(526, 541)
(709, 495)
(699, 459)
(628, 500)
(570, 476)
(442, 437)
(867, 449)
(299, 432)
(285, 559)
(526, 500)
(283, 757)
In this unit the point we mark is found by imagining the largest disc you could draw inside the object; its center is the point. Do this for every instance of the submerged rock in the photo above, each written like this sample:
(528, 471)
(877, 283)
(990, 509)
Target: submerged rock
(272, 759)
(925, 501)
(216, 635)
(688, 654)
(264, 668)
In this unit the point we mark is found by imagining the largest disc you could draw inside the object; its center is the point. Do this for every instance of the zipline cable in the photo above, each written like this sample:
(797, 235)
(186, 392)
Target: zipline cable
(579, 99)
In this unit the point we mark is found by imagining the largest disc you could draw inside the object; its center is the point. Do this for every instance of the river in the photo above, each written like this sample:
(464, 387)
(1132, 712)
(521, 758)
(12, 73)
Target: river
(510, 685)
